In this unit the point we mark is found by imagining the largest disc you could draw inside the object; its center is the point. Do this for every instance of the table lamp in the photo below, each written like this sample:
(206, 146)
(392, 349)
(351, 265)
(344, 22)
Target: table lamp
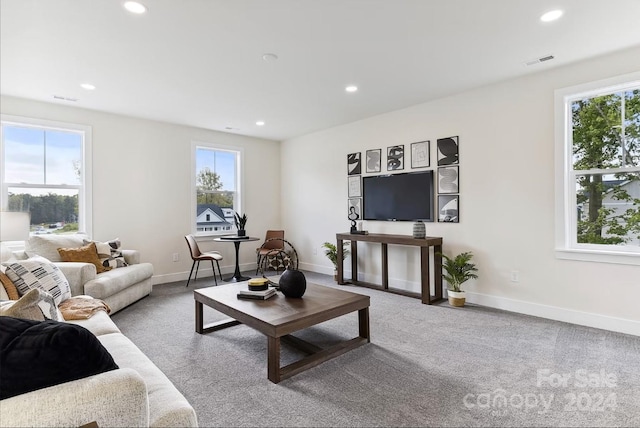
(14, 226)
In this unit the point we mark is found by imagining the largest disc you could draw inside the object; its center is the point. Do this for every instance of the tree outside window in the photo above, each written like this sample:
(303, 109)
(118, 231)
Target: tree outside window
(605, 148)
(216, 188)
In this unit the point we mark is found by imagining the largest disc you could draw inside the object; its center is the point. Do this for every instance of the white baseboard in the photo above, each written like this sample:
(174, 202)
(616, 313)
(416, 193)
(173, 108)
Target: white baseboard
(571, 316)
(555, 313)
(202, 273)
(315, 268)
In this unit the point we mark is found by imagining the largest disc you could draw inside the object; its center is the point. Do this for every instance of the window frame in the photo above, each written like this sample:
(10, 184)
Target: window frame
(566, 245)
(238, 200)
(85, 199)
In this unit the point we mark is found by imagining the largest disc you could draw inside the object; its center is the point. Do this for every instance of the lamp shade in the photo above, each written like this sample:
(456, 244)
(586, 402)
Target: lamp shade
(14, 226)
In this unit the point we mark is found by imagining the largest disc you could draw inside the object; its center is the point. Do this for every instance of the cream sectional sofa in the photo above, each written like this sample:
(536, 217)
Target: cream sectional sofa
(118, 287)
(137, 394)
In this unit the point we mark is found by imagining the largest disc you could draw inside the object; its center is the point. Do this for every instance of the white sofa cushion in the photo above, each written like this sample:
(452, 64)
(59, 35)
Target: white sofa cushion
(47, 245)
(109, 283)
(167, 406)
(115, 398)
(100, 323)
(77, 274)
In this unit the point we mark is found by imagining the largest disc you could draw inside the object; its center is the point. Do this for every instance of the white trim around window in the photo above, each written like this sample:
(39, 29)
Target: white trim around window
(566, 244)
(238, 202)
(85, 189)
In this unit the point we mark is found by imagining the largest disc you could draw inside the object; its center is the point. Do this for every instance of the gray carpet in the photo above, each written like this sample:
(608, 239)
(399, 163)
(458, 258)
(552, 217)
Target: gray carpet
(425, 366)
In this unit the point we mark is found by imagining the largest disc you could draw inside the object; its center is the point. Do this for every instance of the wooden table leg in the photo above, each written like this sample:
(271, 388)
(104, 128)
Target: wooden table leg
(385, 267)
(425, 279)
(363, 324)
(199, 319)
(437, 268)
(354, 261)
(340, 262)
(273, 359)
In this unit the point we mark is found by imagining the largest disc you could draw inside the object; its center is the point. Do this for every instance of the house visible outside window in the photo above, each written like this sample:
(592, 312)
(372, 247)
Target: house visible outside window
(45, 170)
(216, 188)
(598, 171)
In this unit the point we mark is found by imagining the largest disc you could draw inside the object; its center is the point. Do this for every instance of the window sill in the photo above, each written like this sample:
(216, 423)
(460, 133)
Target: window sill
(599, 256)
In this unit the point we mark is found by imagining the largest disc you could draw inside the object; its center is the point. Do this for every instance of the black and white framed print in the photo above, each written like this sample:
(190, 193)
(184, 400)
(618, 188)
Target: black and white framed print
(447, 151)
(354, 164)
(395, 158)
(355, 186)
(420, 156)
(448, 179)
(355, 206)
(448, 208)
(374, 158)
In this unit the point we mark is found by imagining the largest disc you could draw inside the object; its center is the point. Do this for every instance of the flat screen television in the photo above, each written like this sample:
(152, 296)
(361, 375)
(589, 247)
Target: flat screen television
(398, 197)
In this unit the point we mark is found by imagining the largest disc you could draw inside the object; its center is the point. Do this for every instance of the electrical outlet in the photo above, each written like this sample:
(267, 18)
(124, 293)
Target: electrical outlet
(176, 257)
(515, 276)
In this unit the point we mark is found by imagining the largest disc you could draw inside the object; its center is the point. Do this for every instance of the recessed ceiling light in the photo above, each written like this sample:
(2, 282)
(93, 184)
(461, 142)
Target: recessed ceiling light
(351, 88)
(260, 123)
(135, 7)
(551, 15)
(87, 86)
(270, 57)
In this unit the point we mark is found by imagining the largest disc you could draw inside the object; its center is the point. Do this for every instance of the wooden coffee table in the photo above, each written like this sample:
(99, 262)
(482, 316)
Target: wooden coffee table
(280, 316)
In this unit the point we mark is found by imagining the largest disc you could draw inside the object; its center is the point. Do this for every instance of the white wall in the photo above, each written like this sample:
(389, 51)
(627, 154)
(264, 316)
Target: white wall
(142, 182)
(506, 135)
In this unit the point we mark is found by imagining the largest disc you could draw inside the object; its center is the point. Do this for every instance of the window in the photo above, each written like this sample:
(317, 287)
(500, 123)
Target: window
(46, 171)
(216, 188)
(598, 171)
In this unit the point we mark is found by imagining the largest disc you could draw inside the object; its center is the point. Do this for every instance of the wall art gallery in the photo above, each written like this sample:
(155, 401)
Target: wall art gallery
(447, 177)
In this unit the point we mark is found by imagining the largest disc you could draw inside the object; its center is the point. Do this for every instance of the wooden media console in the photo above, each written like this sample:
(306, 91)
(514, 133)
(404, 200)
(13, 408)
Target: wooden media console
(386, 239)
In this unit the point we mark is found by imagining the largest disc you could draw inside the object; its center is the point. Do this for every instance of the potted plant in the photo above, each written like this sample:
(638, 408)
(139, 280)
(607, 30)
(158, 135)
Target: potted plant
(458, 270)
(331, 251)
(240, 223)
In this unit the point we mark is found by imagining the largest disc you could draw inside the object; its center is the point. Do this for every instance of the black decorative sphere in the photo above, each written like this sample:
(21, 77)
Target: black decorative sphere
(292, 283)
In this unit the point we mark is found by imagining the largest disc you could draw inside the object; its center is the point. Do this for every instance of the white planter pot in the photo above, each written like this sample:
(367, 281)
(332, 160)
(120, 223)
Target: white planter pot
(456, 298)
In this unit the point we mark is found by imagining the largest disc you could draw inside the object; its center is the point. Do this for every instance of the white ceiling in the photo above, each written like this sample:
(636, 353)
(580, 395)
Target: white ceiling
(199, 62)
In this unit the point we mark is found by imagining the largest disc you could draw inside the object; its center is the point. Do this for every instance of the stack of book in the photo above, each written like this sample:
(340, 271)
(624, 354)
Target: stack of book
(257, 295)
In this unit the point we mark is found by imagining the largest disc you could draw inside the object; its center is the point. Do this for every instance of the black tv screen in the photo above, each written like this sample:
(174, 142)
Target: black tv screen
(398, 197)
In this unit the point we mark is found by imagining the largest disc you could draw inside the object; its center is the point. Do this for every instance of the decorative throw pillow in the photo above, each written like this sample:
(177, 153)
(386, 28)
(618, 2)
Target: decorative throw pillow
(109, 253)
(86, 254)
(9, 287)
(36, 355)
(36, 305)
(38, 272)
